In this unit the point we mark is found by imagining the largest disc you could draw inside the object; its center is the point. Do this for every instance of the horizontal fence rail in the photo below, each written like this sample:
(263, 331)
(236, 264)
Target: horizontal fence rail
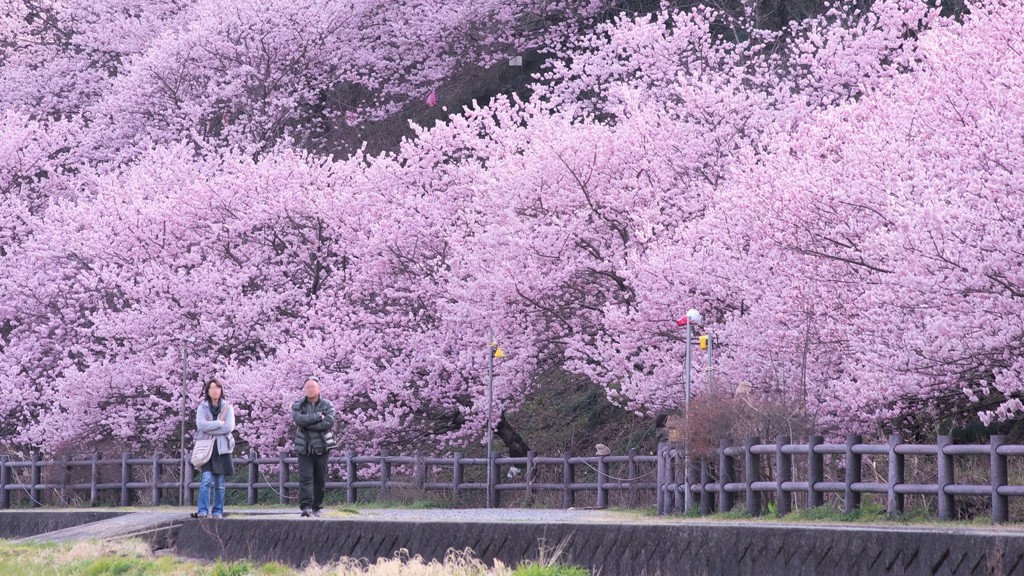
(707, 485)
(128, 479)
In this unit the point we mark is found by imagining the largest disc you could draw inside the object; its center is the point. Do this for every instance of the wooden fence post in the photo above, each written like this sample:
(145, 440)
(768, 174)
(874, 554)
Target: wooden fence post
(1000, 503)
(94, 478)
(945, 478)
(783, 474)
(602, 477)
(530, 473)
(61, 478)
(126, 477)
(493, 479)
(851, 500)
(37, 494)
(684, 497)
(659, 496)
(282, 477)
(678, 480)
(385, 475)
(64, 478)
(671, 481)
(815, 472)
(671, 492)
(155, 494)
(752, 473)
(189, 472)
(421, 471)
(897, 473)
(692, 475)
(707, 497)
(631, 474)
(457, 475)
(726, 474)
(350, 475)
(568, 477)
(5, 479)
(252, 496)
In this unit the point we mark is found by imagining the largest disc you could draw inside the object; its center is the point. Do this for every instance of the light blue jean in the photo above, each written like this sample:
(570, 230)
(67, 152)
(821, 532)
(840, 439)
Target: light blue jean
(217, 480)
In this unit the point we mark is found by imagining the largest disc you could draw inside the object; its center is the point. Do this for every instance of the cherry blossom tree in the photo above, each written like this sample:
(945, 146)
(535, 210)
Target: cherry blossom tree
(908, 196)
(839, 197)
(225, 252)
(58, 58)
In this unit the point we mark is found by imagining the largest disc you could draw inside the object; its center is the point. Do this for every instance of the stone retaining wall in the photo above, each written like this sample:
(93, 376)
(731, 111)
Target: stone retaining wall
(619, 549)
(627, 549)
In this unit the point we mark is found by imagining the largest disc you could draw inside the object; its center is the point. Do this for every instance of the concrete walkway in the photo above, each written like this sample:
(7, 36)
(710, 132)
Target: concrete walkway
(135, 524)
(130, 522)
(140, 522)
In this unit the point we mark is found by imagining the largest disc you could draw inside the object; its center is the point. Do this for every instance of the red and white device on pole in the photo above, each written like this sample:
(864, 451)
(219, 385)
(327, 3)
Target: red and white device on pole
(691, 317)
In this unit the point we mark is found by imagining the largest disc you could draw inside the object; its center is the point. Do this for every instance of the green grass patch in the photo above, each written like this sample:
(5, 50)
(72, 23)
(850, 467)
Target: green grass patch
(646, 512)
(868, 513)
(531, 569)
(734, 514)
(117, 558)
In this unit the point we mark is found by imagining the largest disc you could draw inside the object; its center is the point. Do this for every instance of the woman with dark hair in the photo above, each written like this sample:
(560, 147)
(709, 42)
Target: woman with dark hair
(215, 418)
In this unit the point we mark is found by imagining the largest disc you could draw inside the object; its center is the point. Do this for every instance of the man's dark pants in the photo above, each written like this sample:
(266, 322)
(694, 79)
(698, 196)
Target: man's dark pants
(312, 479)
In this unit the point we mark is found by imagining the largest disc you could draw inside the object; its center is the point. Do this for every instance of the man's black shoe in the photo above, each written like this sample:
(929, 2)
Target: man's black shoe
(305, 512)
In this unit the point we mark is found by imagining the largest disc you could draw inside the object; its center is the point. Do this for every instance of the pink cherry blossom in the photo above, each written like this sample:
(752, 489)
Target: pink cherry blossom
(840, 198)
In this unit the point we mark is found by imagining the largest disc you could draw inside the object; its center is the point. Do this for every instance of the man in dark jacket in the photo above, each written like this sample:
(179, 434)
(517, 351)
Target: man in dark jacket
(314, 418)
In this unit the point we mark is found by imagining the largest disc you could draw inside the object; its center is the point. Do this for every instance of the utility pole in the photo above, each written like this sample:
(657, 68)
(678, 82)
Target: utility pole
(184, 413)
(692, 317)
(490, 403)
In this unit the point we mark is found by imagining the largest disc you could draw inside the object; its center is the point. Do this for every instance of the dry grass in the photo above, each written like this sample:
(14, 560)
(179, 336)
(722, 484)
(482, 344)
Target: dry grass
(456, 563)
(90, 549)
(134, 557)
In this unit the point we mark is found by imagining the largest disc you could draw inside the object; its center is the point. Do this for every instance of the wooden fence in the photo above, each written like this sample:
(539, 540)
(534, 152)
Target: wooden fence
(691, 486)
(133, 477)
(737, 472)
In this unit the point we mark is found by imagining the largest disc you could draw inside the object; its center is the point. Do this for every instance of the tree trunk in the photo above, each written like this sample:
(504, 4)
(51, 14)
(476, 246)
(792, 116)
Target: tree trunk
(517, 447)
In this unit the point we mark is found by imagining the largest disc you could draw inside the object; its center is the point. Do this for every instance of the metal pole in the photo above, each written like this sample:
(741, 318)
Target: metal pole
(688, 336)
(490, 403)
(184, 416)
(711, 365)
(687, 495)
